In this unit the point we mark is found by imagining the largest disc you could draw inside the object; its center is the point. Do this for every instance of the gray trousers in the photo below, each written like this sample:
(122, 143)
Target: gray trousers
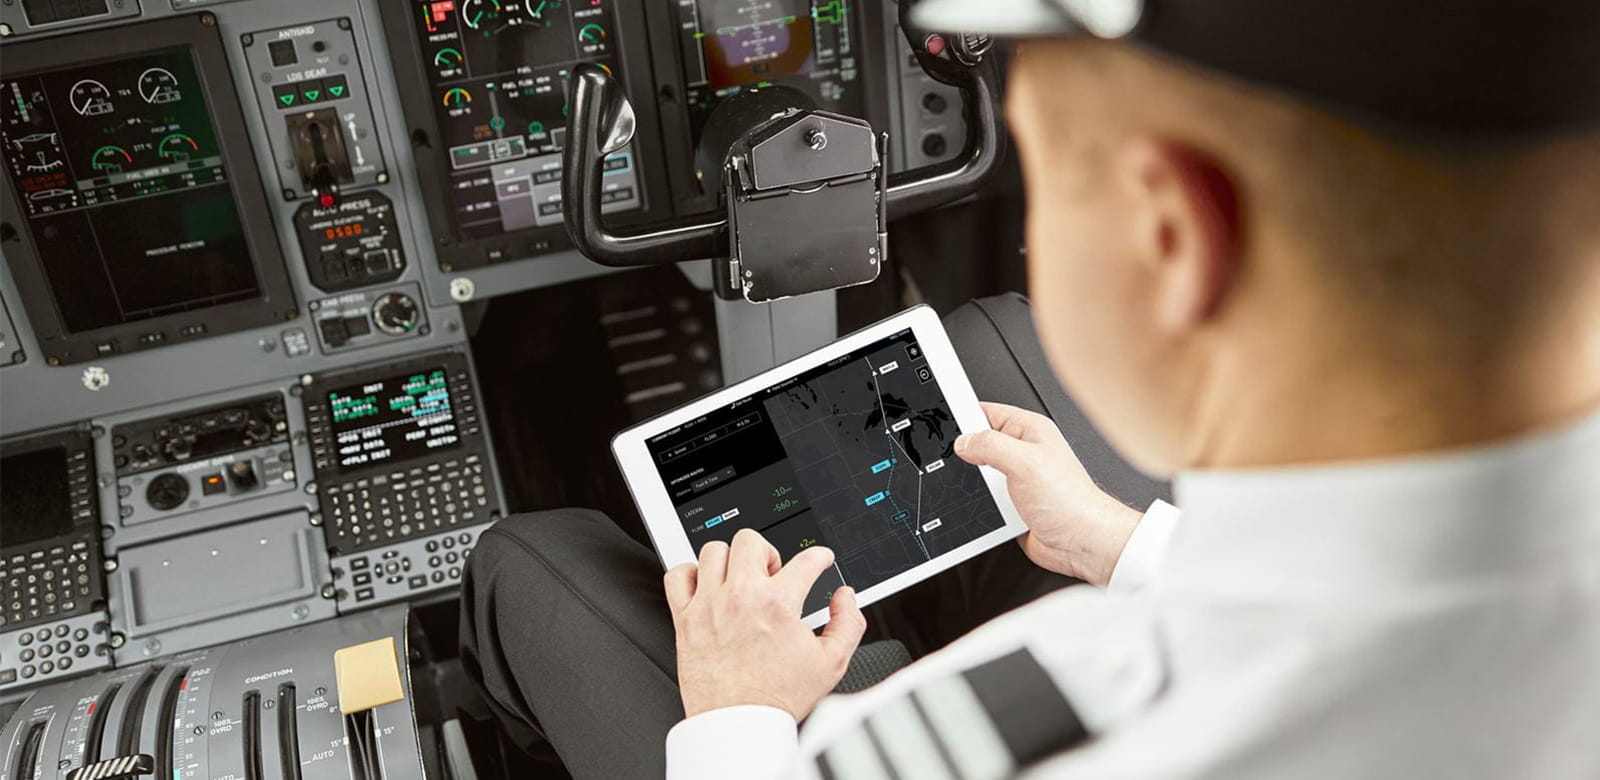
(566, 630)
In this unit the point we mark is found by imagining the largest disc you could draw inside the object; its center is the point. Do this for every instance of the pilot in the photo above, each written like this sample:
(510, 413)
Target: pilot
(1333, 266)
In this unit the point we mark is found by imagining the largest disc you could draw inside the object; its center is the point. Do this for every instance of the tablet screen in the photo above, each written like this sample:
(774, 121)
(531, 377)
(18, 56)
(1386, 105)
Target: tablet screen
(856, 454)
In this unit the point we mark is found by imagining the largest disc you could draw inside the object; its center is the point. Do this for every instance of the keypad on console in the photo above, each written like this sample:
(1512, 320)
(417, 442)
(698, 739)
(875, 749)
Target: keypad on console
(410, 502)
(44, 584)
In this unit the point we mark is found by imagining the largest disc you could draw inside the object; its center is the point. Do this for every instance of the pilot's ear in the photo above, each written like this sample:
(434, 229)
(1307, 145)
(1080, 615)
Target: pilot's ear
(1188, 229)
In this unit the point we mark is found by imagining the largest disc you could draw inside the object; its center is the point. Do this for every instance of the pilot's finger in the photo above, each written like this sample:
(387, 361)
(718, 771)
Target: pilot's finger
(679, 584)
(802, 571)
(845, 626)
(713, 565)
(1020, 423)
(993, 448)
(752, 556)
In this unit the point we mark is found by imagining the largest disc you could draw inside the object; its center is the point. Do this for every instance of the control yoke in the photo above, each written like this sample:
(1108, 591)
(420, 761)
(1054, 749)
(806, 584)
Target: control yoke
(806, 195)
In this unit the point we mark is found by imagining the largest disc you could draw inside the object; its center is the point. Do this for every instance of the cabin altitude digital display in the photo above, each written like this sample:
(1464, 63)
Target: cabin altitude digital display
(394, 419)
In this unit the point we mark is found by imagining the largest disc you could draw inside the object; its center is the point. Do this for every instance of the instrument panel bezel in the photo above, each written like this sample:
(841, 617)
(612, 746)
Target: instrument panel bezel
(429, 148)
(276, 301)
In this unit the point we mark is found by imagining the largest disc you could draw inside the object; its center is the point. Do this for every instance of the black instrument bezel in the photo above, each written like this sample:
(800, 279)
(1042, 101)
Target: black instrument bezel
(428, 148)
(319, 426)
(276, 301)
(77, 440)
(689, 195)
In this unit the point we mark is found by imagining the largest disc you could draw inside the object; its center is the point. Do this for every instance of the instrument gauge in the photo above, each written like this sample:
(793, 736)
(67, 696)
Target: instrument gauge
(110, 159)
(37, 153)
(177, 146)
(539, 10)
(158, 85)
(90, 98)
(396, 314)
(481, 14)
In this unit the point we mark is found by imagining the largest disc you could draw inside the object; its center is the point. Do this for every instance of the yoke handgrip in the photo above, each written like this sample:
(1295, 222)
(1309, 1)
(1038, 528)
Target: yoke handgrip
(599, 123)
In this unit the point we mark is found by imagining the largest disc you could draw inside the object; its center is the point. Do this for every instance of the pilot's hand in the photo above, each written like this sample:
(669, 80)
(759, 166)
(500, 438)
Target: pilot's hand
(1074, 527)
(740, 637)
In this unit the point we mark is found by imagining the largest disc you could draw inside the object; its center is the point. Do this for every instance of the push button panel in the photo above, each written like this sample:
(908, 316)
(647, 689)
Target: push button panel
(50, 651)
(354, 243)
(50, 567)
(404, 570)
(409, 502)
(50, 583)
(399, 454)
(932, 129)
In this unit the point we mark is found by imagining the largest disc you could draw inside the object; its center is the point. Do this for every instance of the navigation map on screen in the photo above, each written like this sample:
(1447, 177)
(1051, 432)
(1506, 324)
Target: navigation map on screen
(856, 454)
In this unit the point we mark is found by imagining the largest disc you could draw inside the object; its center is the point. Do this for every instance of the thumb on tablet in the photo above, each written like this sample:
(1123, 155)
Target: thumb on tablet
(846, 625)
(993, 448)
(801, 572)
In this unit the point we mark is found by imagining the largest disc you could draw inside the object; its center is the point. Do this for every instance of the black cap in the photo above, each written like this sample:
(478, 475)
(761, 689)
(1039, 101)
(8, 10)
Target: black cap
(1457, 68)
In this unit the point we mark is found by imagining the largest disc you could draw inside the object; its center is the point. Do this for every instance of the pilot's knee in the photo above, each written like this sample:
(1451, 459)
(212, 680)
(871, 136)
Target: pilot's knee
(543, 530)
(520, 545)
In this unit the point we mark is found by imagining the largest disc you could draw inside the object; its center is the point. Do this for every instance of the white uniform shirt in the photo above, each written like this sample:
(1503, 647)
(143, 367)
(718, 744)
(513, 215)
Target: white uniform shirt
(1428, 617)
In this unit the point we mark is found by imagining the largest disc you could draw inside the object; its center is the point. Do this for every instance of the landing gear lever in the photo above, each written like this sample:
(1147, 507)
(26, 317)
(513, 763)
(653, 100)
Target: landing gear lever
(806, 198)
(320, 154)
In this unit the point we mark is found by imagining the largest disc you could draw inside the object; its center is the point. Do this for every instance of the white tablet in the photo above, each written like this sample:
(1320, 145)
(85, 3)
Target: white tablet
(850, 446)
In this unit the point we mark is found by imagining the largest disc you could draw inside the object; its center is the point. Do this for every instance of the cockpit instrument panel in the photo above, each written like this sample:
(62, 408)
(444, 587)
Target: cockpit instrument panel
(246, 253)
(732, 45)
(50, 559)
(496, 74)
(142, 207)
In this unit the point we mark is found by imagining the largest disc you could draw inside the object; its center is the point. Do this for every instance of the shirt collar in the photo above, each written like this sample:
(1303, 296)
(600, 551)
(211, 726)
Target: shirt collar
(1475, 513)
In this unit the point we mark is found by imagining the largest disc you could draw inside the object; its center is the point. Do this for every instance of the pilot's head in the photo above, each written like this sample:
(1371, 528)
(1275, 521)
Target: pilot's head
(1327, 223)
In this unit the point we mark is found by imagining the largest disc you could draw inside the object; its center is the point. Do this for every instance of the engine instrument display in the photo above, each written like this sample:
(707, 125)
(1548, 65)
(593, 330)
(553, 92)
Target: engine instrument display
(393, 419)
(498, 71)
(731, 45)
(117, 169)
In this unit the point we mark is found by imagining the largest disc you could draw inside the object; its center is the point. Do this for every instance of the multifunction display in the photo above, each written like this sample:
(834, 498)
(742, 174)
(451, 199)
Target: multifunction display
(35, 496)
(498, 71)
(856, 454)
(117, 169)
(808, 45)
(396, 418)
(49, 549)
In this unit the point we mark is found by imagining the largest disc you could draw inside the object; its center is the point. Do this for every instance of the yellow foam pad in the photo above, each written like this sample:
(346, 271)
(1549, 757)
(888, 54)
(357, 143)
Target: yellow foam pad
(367, 675)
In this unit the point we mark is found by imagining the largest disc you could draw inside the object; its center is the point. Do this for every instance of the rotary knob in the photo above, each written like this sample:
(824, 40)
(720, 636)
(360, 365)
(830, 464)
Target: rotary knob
(395, 314)
(167, 491)
(256, 430)
(176, 448)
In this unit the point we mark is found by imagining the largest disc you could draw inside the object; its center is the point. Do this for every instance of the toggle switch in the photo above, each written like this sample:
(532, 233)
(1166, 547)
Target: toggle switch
(320, 154)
